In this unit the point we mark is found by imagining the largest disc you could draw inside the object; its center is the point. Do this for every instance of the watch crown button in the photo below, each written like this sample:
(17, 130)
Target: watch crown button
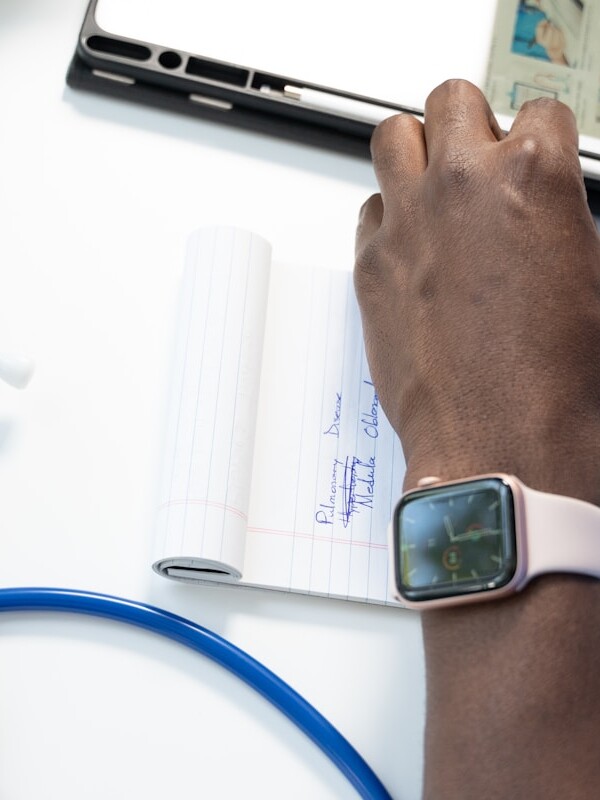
(428, 481)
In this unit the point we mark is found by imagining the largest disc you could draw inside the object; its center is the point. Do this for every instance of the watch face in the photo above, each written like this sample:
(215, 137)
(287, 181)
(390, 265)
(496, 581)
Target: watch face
(455, 540)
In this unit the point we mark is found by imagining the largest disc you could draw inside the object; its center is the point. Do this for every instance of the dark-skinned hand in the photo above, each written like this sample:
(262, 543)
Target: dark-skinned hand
(478, 277)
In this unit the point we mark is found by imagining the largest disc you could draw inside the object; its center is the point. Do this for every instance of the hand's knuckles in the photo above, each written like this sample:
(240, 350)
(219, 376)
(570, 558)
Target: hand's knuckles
(389, 133)
(533, 157)
(425, 288)
(378, 277)
(390, 141)
(385, 158)
(455, 91)
(372, 208)
(368, 202)
(454, 168)
(530, 149)
(368, 264)
(547, 107)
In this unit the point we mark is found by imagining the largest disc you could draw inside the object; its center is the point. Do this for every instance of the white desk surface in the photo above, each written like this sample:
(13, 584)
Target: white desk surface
(97, 198)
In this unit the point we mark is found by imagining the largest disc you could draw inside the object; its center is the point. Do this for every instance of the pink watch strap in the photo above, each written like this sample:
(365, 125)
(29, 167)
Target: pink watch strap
(563, 534)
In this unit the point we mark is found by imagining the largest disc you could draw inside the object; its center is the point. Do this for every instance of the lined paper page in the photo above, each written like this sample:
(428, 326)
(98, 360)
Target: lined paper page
(327, 466)
(212, 418)
(281, 469)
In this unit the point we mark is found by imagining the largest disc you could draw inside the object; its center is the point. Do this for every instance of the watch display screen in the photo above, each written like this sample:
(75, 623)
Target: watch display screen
(455, 539)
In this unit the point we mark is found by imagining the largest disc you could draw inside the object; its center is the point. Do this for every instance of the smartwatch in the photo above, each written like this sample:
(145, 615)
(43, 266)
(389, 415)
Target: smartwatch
(484, 537)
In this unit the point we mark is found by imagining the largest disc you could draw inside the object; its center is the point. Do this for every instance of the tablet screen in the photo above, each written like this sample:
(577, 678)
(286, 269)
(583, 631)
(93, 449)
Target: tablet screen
(514, 50)
(395, 52)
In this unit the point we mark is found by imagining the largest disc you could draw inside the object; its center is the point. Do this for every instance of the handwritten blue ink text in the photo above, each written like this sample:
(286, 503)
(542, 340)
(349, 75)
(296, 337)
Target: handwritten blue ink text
(370, 418)
(334, 428)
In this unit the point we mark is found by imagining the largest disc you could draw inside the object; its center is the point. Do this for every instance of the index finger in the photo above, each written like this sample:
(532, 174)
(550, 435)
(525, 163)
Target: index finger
(399, 154)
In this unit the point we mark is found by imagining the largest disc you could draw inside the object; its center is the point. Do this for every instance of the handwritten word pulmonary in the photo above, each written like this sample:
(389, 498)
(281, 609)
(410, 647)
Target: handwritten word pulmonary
(370, 419)
(334, 428)
(326, 513)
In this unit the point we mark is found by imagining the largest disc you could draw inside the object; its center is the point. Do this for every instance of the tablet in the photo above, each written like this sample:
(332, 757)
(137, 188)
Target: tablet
(326, 72)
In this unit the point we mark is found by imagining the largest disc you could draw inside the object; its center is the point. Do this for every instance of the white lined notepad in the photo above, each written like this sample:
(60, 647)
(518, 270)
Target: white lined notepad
(281, 470)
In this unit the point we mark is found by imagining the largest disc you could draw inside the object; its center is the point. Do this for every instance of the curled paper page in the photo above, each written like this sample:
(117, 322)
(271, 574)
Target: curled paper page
(209, 446)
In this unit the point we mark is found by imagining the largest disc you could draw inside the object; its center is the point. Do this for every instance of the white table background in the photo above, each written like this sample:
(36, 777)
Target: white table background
(97, 198)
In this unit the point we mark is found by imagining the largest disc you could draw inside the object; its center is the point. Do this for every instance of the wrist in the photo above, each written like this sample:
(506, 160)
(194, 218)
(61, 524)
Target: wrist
(518, 671)
(568, 471)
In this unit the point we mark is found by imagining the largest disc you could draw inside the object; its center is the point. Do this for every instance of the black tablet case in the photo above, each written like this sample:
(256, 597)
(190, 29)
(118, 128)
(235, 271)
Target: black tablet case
(157, 76)
(143, 72)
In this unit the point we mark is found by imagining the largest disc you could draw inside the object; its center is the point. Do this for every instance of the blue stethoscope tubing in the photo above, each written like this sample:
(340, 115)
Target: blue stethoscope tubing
(213, 646)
